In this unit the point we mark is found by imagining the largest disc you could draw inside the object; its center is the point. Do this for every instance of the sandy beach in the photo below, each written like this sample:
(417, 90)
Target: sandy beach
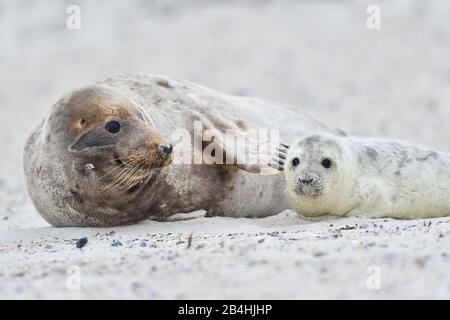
(318, 55)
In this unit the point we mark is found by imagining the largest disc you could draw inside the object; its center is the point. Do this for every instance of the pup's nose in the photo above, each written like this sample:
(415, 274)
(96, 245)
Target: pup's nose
(306, 181)
(166, 149)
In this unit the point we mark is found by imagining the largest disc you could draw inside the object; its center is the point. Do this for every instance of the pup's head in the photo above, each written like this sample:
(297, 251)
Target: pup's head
(316, 171)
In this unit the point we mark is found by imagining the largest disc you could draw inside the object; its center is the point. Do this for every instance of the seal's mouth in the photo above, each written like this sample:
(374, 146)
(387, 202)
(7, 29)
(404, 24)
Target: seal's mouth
(126, 173)
(311, 190)
(119, 162)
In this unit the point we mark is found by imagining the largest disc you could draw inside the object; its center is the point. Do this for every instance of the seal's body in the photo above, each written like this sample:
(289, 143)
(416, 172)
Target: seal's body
(103, 155)
(342, 176)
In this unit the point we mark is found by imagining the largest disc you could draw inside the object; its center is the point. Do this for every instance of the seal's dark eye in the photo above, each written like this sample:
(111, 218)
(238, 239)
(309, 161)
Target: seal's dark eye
(113, 127)
(295, 162)
(326, 163)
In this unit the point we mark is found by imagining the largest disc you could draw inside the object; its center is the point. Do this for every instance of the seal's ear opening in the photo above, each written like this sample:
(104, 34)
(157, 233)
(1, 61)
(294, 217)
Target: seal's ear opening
(94, 139)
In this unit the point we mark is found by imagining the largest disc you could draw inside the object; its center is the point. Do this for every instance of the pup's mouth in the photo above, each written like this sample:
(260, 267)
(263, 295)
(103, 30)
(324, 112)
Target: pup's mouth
(309, 191)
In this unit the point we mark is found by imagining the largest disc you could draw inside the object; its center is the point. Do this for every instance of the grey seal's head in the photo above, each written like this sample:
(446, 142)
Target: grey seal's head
(90, 159)
(318, 173)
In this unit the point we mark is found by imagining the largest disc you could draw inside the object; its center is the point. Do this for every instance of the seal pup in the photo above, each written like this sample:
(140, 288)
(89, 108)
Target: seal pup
(104, 155)
(347, 176)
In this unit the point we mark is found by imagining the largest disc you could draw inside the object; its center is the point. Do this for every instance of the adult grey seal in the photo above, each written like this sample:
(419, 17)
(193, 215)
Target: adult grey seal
(342, 176)
(102, 156)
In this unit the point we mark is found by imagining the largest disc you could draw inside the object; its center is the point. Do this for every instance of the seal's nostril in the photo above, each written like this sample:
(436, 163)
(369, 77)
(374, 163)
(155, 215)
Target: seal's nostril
(166, 149)
(306, 181)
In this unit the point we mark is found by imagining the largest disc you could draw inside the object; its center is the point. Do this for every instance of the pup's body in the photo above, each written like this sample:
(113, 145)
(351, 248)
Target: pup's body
(341, 176)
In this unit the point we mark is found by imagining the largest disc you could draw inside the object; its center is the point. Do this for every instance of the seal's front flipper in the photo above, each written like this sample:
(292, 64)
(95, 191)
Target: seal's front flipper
(268, 162)
(254, 156)
(239, 144)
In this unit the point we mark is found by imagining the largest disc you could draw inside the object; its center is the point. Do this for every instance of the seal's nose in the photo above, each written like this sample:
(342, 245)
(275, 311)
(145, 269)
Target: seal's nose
(166, 149)
(306, 181)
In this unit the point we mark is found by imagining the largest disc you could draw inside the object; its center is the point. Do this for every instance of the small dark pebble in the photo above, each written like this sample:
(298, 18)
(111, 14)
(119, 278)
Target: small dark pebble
(421, 261)
(256, 262)
(347, 227)
(81, 242)
(370, 244)
(189, 244)
(261, 240)
(116, 244)
(319, 254)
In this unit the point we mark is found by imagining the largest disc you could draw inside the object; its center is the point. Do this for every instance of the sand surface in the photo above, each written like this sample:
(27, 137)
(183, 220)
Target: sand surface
(319, 55)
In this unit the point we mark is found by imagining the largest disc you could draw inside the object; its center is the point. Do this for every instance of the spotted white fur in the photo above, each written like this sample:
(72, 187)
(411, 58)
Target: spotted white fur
(369, 177)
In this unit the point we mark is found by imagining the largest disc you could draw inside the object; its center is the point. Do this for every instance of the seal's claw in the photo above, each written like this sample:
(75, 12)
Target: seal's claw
(282, 148)
(277, 166)
(279, 156)
(278, 163)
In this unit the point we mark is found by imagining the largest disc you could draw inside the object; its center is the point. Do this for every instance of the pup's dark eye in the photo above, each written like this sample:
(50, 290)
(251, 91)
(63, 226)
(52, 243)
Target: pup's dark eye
(113, 127)
(326, 163)
(295, 162)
